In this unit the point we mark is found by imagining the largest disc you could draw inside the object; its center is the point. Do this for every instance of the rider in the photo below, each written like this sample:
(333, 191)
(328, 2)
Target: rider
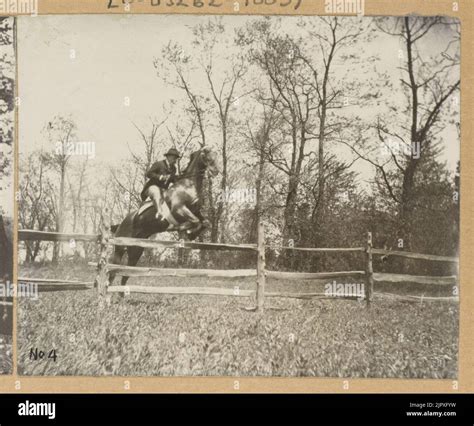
(161, 175)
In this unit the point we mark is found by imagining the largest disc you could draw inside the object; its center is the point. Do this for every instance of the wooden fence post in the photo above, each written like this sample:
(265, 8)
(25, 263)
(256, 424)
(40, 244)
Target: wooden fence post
(102, 278)
(369, 271)
(260, 266)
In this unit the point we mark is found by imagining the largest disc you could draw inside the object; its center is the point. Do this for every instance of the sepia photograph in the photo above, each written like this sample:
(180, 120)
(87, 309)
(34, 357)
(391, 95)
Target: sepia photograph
(234, 195)
(7, 101)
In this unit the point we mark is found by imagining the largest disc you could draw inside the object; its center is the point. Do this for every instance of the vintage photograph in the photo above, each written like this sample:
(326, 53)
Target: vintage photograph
(238, 195)
(7, 106)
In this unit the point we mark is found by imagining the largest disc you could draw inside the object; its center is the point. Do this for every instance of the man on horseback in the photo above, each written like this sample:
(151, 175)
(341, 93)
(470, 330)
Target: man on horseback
(161, 175)
(184, 199)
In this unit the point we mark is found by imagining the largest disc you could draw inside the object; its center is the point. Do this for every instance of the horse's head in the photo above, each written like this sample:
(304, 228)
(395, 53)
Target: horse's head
(209, 160)
(200, 161)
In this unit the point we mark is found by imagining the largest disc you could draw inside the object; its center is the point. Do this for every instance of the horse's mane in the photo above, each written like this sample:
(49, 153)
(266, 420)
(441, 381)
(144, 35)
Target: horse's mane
(192, 159)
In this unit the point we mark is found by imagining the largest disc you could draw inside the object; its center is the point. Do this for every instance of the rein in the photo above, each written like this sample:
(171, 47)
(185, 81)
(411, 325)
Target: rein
(188, 175)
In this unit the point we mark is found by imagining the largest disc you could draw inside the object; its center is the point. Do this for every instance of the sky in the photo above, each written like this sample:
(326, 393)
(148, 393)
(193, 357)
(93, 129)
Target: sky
(99, 70)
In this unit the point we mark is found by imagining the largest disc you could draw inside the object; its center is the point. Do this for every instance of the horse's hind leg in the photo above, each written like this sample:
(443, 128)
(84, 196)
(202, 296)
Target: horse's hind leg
(134, 254)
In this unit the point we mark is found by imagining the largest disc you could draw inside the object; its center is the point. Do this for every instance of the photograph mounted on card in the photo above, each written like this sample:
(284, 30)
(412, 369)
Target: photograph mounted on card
(241, 195)
(7, 165)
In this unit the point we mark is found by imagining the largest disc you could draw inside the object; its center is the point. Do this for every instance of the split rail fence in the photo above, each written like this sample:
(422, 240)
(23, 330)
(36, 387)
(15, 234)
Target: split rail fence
(104, 268)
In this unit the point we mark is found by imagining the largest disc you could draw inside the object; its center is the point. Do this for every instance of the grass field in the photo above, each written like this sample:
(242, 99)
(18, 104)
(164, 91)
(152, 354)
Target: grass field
(169, 335)
(6, 364)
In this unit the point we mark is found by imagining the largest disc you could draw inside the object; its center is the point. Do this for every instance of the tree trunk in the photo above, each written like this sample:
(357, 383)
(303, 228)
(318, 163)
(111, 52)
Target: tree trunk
(258, 213)
(59, 218)
(406, 203)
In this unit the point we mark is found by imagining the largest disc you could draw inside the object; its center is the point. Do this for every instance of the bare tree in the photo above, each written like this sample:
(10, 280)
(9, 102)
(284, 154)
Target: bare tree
(257, 134)
(292, 97)
(76, 190)
(151, 146)
(217, 100)
(60, 132)
(329, 41)
(427, 83)
(37, 200)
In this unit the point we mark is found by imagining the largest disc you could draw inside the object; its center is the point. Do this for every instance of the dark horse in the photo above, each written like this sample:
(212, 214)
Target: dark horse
(184, 202)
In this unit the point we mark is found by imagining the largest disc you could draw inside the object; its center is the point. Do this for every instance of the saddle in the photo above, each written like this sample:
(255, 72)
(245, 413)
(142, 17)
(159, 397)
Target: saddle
(166, 212)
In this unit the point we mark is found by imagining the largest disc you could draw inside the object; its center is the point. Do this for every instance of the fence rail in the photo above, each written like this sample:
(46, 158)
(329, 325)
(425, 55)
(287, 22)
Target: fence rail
(419, 279)
(319, 249)
(419, 256)
(318, 295)
(411, 298)
(260, 272)
(139, 271)
(299, 276)
(30, 235)
(137, 242)
(50, 281)
(209, 291)
(48, 284)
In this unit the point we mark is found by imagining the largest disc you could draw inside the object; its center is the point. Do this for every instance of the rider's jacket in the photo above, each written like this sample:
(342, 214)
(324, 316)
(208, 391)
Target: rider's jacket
(161, 174)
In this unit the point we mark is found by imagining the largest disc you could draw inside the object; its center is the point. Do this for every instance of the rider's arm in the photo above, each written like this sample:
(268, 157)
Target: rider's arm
(155, 173)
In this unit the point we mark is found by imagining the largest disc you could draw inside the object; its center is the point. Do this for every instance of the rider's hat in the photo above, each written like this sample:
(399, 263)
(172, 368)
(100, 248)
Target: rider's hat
(173, 151)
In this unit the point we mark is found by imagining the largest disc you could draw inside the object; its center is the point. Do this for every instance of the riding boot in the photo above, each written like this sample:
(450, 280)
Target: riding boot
(158, 208)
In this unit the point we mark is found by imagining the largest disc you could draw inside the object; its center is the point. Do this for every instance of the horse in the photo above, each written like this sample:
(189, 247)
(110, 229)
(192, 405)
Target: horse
(182, 204)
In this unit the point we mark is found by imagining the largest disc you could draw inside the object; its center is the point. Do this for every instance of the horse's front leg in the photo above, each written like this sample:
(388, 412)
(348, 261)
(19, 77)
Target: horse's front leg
(204, 221)
(192, 235)
(192, 222)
